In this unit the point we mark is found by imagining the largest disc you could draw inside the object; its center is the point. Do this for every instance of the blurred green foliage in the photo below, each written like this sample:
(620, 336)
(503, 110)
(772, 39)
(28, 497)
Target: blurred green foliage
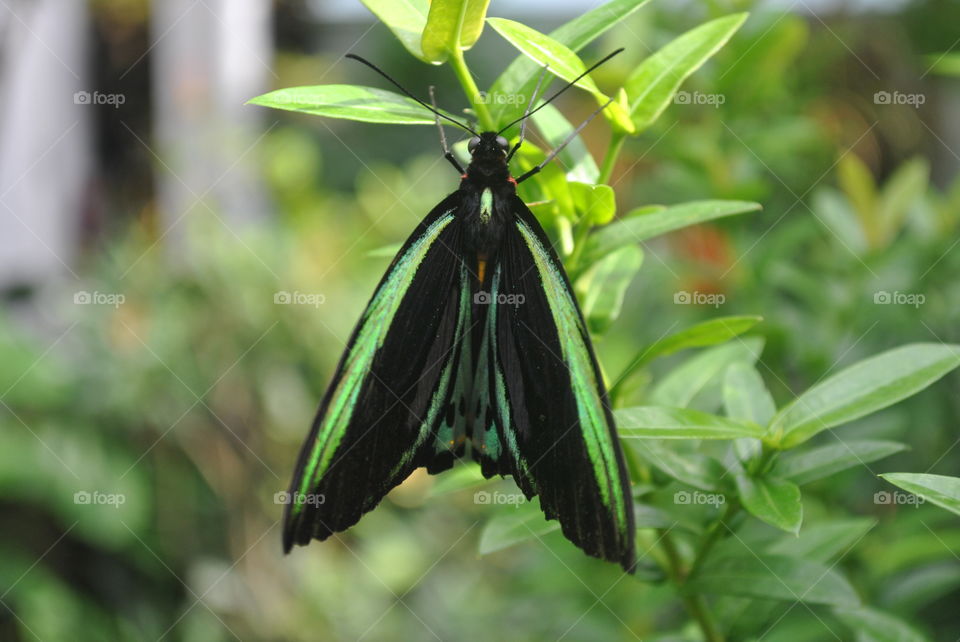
(144, 442)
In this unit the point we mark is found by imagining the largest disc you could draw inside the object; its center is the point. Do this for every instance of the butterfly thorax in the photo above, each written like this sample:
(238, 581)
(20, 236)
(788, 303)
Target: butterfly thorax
(487, 191)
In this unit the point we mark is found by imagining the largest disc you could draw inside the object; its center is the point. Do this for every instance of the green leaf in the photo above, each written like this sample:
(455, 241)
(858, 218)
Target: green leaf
(686, 381)
(745, 396)
(352, 102)
(871, 625)
(595, 204)
(520, 77)
(821, 542)
(775, 501)
(706, 333)
(861, 389)
(652, 85)
(546, 52)
(700, 335)
(834, 210)
(405, 18)
(452, 24)
(775, 577)
(575, 157)
(903, 190)
(462, 477)
(817, 463)
(524, 522)
(858, 184)
(634, 229)
(657, 422)
(937, 489)
(694, 469)
(947, 64)
(603, 287)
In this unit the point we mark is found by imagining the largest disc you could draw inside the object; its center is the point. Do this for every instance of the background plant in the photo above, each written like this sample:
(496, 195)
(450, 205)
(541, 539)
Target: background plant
(753, 444)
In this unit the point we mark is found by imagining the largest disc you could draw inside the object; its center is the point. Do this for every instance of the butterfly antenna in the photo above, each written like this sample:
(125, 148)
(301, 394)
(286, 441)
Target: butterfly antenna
(561, 90)
(409, 95)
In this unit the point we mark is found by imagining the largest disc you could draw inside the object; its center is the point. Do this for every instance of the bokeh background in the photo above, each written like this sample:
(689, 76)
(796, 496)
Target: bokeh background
(154, 388)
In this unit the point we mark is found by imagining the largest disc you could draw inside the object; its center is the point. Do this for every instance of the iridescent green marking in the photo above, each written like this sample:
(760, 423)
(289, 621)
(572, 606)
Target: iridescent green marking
(486, 204)
(571, 335)
(374, 326)
(500, 385)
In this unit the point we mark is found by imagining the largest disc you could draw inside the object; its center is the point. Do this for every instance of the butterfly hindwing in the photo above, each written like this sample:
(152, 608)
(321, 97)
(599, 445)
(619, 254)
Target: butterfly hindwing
(552, 413)
(381, 414)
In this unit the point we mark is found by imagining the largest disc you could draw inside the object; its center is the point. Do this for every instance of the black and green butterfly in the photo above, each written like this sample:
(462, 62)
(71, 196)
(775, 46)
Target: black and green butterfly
(473, 345)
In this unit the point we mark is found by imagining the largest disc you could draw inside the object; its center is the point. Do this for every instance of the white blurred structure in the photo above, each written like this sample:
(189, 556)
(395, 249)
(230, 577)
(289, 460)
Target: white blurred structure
(45, 139)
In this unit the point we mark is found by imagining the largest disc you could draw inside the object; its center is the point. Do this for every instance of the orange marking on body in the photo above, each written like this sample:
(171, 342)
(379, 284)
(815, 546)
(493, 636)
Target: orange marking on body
(481, 266)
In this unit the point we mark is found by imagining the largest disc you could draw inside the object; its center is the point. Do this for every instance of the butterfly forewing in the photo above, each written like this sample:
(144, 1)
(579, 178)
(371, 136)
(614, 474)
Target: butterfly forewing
(380, 416)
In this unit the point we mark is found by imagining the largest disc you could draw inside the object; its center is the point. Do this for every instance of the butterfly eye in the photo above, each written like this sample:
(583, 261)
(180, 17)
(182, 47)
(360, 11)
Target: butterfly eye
(472, 144)
(502, 142)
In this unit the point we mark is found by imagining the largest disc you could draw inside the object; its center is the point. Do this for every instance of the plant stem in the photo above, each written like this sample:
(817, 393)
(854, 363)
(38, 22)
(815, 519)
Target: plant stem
(610, 159)
(695, 604)
(470, 89)
(712, 536)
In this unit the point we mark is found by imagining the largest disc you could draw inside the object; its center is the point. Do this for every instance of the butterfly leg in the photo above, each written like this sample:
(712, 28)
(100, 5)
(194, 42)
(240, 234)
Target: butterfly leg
(443, 138)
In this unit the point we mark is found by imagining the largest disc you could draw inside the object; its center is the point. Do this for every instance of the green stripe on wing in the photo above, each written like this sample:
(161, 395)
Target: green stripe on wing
(373, 329)
(583, 380)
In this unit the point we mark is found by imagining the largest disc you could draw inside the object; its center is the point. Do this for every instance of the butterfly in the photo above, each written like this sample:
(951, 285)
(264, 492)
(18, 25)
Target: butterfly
(473, 346)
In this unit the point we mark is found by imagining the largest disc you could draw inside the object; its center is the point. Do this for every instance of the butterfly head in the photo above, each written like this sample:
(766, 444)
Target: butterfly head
(488, 154)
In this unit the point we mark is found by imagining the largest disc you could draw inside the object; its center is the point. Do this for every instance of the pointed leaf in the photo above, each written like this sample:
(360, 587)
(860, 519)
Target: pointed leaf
(560, 60)
(775, 501)
(693, 469)
(821, 542)
(937, 489)
(657, 422)
(863, 388)
(811, 465)
(634, 229)
(652, 85)
(871, 625)
(603, 287)
(520, 77)
(745, 396)
(775, 577)
(686, 381)
(452, 24)
(405, 18)
(352, 102)
(706, 333)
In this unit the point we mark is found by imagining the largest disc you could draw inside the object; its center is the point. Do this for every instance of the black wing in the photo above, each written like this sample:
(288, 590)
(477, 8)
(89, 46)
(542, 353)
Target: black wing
(553, 417)
(379, 418)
